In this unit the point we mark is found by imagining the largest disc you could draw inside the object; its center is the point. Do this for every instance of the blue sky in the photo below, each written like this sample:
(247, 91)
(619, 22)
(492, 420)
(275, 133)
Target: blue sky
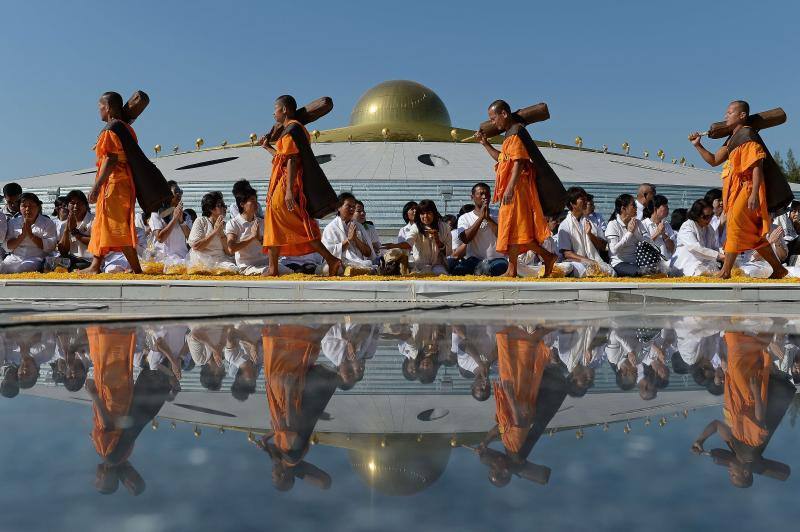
(643, 72)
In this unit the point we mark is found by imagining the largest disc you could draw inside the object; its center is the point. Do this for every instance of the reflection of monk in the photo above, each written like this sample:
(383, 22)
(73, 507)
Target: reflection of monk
(121, 408)
(297, 393)
(755, 403)
(527, 398)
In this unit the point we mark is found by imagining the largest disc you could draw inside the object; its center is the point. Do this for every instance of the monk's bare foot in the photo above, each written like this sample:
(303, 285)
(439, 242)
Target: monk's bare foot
(780, 274)
(510, 273)
(549, 263)
(334, 268)
(89, 271)
(271, 272)
(722, 274)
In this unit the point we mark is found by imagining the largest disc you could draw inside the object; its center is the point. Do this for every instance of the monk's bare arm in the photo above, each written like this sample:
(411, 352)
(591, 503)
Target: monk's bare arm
(758, 178)
(714, 159)
(491, 150)
(106, 167)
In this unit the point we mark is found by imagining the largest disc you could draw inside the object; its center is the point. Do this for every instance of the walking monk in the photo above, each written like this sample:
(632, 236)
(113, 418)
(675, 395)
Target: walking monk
(289, 230)
(114, 193)
(743, 190)
(521, 225)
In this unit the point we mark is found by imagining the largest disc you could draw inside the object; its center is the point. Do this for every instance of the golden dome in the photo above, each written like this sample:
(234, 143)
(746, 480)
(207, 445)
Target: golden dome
(399, 102)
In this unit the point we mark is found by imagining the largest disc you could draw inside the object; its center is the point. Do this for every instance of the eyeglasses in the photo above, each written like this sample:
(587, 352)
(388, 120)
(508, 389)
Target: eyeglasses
(706, 216)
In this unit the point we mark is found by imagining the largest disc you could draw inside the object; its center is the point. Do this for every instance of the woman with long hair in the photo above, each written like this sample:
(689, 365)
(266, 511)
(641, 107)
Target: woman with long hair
(624, 232)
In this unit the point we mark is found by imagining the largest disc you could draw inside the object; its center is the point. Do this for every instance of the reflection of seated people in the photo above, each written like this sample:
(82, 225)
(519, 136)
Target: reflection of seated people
(785, 353)
(425, 348)
(348, 346)
(526, 401)
(298, 390)
(243, 357)
(121, 408)
(622, 353)
(26, 351)
(206, 344)
(755, 403)
(475, 347)
(581, 350)
(71, 362)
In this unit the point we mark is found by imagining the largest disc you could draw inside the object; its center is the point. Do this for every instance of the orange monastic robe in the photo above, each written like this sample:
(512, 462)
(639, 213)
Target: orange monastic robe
(293, 230)
(746, 229)
(111, 351)
(522, 222)
(289, 352)
(747, 359)
(113, 227)
(521, 362)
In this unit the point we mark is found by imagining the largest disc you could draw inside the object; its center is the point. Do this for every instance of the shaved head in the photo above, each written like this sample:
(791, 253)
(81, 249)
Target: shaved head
(500, 105)
(742, 106)
(288, 102)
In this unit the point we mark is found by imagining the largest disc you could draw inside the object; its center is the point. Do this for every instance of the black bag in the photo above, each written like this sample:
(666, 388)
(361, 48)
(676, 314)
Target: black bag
(648, 257)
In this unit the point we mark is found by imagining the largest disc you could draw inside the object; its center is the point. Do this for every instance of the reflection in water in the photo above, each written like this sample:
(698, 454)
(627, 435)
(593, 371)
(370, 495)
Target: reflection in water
(757, 396)
(404, 394)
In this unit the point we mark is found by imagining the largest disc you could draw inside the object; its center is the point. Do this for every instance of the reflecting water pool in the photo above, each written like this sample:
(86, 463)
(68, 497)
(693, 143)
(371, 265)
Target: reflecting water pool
(437, 420)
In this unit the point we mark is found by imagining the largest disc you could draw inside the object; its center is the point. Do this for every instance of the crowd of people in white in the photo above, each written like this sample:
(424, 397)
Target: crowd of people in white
(642, 236)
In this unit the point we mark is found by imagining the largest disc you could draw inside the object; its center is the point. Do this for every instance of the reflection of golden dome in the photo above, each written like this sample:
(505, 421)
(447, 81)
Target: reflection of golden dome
(399, 101)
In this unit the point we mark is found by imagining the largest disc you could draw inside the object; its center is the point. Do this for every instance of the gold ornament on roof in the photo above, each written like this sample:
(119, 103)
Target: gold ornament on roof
(660, 154)
(454, 135)
(198, 143)
(646, 154)
(420, 138)
(224, 143)
(175, 149)
(315, 134)
(605, 148)
(626, 148)
(253, 138)
(579, 142)
(157, 149)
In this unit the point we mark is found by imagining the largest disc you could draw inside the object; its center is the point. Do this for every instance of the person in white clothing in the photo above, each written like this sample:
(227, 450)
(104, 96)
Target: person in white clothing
(171, 227)
(30, 237)
(369, 228)
(753, 264)
(576, 239)
(75, 232)
(661, 232)
(409, 215)
(245, 233)
(697, 251)
(624, 232)
(599, 223)
(345, 238)
(529, 264)
(428, 240)
(714, 198)
(210, 251)
(478, 230)
(644, 196)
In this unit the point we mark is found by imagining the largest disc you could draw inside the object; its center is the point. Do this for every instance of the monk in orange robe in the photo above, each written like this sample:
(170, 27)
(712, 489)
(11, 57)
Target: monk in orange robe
(521, 225)
(297, 393)
(114, 193)
(744, 193)
(288, 228)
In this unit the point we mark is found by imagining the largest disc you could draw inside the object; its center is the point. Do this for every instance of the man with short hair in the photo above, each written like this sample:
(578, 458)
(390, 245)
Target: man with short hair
(11, 194)
(644, 196)
(478, 230)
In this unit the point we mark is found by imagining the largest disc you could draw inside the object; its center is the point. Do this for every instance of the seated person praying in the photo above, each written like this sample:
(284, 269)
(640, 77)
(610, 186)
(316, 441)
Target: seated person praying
(428, 240)
(244, 233)
(210, 251)
(345, 238)
(30, 237)
(74, 233)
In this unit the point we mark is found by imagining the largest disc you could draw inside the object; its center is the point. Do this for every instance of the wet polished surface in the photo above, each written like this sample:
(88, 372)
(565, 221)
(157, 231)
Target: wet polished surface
(439, 420)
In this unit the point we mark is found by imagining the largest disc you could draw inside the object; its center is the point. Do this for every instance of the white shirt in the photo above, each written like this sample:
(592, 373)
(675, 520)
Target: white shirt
(785, 222)
(76, 247)
(333, 238)
(214, 250)
(43, 227)
(651, 227)
(175, 243)
(599, 224)
(695, 247)
(484, 245)
(252, 254)
(3, 227)
(374, 238)
(622, 243)
(639, 210)
(403, 234)
(424, 250)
